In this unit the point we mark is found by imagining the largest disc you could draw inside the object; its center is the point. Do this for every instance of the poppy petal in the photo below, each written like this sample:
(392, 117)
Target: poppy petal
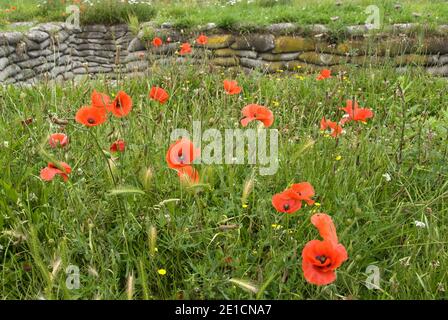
(91, 116)
(246, 121)
(188, 175)
(122, 105)
(315, 276)
(100, 100)
(285, 202)
(325, 226)
(48, 174)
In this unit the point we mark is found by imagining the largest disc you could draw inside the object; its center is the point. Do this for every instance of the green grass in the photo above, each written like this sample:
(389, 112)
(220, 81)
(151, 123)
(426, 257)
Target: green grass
(94, 12)
(242, 15)
(108, 236)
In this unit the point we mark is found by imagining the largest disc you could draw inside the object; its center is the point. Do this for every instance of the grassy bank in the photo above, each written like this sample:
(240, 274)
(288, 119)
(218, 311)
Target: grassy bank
(243, 13)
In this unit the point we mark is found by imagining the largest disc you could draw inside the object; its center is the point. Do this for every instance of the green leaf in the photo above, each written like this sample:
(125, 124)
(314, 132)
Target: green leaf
(9, 191)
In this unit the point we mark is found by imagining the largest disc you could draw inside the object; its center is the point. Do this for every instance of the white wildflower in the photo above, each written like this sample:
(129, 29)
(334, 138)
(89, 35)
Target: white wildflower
(420, 224)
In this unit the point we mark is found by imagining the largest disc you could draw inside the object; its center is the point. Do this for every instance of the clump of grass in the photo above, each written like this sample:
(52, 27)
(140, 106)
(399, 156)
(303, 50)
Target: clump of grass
(228, 22)
(184, 22)
(111, 12)
(272, 3)
(134, 24)
(92, 12)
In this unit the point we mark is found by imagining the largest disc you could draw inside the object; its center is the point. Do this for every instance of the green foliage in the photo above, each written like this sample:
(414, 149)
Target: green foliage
(227, 22)
(115, 12)
(134, 24)
(91, 12)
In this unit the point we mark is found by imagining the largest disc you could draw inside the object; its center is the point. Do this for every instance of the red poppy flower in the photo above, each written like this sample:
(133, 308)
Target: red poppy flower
(118, 146)
(253, 112)
(48, 173)
(304, 191)
(122, 105)
(185, 48)
(91, 116)
(188, 175)
(335, 129)
(286, 201)
(157, 42)
(324, 74)
(202, 39)
(320, 259)
(181, 153)
(231, 87)
(100, 100)
(353, 112)
(58, 139)
(159, 94)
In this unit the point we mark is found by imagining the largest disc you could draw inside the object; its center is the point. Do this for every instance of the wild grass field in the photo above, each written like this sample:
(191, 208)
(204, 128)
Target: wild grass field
(228, 14)
(135, 231)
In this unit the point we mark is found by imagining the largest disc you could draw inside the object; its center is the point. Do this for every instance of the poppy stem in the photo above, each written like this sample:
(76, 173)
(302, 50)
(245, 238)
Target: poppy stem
(358, 133)
(123, 210)
(403, 125)
(197, 199)
(104, 156)
(358, 143)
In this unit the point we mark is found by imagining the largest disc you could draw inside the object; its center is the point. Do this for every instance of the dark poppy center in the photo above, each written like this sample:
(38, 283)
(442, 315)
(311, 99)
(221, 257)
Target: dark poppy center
(286, 206)
(91, 120)
(180, 156)
(321, 259)
(118, 105)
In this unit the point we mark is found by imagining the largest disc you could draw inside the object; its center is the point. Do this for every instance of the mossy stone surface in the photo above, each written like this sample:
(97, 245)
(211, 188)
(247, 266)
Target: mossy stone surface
(220, 41)
(226, 61)
(323, 59)
(293, 44)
